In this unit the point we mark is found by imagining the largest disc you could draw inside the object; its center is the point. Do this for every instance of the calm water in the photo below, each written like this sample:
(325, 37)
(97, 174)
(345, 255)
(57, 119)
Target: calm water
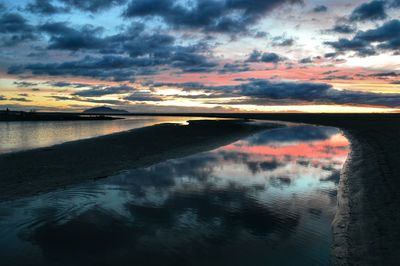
(15, 136)
(265, 200)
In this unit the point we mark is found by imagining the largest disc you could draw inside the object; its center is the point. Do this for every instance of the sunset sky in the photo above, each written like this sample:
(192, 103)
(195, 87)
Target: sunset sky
(200, 55)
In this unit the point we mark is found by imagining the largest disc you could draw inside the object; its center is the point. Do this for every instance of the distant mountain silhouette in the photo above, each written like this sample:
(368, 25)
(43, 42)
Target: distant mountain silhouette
(104, 110)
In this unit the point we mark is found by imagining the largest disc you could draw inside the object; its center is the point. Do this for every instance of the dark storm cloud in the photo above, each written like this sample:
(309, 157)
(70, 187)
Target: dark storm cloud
(385, 74)
(64, 37)
(267, 92)
(234, 68)
(45, 7)
(14, 29)
(117, 68)
(342, 28)
(387, 35)
(191, 62)
(96, 92)
(263, 91)
(374, 10)
(320, 8)
(92, 5)
(14, 23)
(229, 16)
(386, 32)
(383, 38)
(143, 61)
(133, 41)
(105, 68)
(281, 90)
(348, 45)
(361, 47)
(146, 50)
(257, 56)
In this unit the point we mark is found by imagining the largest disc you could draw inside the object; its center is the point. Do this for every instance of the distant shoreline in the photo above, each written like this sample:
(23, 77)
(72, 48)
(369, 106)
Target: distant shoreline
(12, 116)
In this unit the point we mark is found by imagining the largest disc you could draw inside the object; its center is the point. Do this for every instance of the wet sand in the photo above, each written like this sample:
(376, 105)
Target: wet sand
(366, 227)
(30, 172)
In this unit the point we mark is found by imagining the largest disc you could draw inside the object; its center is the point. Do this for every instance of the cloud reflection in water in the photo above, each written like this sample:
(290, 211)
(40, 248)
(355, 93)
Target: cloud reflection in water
(267, 199)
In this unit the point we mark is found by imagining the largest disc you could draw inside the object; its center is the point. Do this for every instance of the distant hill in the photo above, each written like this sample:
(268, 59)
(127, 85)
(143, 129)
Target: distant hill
(104, 110)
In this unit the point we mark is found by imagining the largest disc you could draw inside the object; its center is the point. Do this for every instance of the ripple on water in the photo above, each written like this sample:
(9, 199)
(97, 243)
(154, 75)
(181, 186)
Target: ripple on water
(268, 199)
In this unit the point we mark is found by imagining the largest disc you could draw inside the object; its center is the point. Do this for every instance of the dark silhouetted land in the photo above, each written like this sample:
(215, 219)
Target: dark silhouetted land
(9, 116)
(104, 110)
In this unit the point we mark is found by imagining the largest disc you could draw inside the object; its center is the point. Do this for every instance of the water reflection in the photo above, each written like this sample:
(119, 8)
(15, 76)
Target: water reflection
(265, 200)
(15, 136)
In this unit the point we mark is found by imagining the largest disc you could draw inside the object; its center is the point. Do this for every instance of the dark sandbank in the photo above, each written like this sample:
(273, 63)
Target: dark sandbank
(40, 170)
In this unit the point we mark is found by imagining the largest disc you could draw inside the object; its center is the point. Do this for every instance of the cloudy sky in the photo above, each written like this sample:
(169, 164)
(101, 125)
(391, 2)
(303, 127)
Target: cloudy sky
(200, 55)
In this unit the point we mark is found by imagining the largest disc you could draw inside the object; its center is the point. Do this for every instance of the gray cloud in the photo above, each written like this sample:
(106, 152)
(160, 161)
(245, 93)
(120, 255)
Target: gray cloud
(383, 38)
(207, 15)
(24, 84)
(320, 8)
(234, 67)
(257, 56)
(45, 7)
(343, 28)
(96, 92)
(267, 92)
(92, 5)
(64, 37)
(139, 96)
(374, 10)
(22, 99)
(385, 74)
(332, 77)
(282, 41)
(306, 60)
(15, 29)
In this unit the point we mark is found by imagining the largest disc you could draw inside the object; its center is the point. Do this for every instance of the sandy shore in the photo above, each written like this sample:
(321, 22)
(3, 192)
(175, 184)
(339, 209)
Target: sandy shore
(46, 169)
(366, 227)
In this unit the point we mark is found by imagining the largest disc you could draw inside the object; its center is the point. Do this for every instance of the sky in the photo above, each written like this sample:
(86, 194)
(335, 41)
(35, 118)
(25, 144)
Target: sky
(200, 55)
